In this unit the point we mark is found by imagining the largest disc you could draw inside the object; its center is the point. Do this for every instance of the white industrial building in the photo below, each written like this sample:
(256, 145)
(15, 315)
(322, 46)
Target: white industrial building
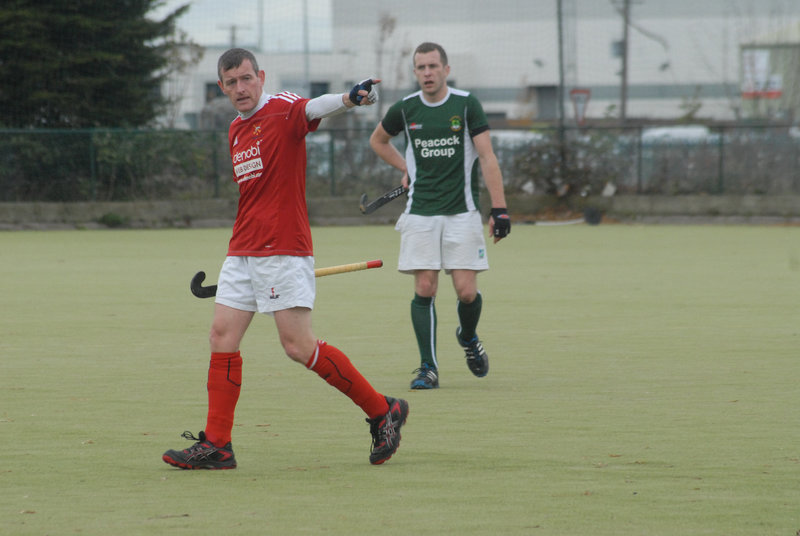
(691, 59)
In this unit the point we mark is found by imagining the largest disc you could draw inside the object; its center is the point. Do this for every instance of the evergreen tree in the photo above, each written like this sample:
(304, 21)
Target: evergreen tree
(83, 63)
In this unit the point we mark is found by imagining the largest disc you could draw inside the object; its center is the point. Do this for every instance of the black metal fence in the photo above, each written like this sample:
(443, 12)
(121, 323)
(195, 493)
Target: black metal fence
(119, 165)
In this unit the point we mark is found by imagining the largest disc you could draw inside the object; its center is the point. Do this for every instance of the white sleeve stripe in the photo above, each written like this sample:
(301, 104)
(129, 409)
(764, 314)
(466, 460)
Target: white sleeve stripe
(288, 97)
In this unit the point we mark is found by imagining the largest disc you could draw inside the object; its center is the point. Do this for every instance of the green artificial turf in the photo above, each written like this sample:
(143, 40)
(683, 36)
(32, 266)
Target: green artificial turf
(643, 381)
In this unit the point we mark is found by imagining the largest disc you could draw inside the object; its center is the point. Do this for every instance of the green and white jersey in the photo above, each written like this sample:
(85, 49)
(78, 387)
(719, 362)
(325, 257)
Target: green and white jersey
(441, 159)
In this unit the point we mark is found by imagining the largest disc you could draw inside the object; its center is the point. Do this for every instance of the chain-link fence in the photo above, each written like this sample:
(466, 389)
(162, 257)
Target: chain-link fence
(120, 165)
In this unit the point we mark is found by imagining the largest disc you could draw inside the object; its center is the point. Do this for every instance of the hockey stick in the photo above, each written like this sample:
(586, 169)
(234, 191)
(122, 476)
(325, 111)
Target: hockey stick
(379, 202)
(342, 268)
(207, 292)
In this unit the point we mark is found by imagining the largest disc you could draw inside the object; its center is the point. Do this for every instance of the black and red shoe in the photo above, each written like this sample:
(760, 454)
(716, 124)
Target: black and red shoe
(202, 455)
(385, 431)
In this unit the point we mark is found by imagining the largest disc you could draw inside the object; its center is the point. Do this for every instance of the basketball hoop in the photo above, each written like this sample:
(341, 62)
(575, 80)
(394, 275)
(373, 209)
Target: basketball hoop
(580, 101)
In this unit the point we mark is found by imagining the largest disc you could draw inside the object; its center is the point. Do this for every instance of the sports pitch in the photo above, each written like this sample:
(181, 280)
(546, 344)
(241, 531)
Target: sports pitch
(643, 381)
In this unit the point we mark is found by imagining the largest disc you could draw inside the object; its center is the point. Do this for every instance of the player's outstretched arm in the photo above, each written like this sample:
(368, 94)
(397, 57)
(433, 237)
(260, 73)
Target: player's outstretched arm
(363, 94)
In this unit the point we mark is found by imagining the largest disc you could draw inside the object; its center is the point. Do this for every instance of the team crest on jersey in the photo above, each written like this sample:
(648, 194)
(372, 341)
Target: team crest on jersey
(415, 126)
(455, 123)
(256, 130)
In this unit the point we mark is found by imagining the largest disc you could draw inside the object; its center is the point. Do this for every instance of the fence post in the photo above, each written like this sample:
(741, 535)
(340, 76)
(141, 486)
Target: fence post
(214, 168)
(92, 165)
(331, 161)
(721, 162)
(639, 147)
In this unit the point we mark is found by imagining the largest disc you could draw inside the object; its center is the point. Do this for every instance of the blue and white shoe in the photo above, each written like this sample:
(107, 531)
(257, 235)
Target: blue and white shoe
(427, 378)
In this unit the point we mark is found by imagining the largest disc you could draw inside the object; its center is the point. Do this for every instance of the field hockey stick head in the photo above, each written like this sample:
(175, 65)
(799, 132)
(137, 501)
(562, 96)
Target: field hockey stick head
(199, 290)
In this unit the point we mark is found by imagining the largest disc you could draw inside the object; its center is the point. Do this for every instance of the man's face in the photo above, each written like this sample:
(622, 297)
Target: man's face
(243, 86)
(431, 74)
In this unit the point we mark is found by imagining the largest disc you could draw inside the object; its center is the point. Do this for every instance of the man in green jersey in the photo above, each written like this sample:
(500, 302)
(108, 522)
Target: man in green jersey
(447, 139)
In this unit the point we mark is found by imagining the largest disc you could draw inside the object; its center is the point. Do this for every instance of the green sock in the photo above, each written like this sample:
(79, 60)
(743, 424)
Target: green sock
(423, 318)
(468, 316)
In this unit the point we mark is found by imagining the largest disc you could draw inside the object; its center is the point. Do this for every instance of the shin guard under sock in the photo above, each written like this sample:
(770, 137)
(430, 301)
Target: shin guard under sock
(468, 316)
(224, 385)
(423, 319)
(335, 368)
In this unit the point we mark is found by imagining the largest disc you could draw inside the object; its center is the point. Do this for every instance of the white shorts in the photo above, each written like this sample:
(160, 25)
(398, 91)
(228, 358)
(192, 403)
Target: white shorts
(442, 242)
(267, 284)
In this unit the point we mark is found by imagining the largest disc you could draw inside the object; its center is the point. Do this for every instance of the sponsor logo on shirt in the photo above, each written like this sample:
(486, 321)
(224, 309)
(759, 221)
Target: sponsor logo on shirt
(437, 147)
(254, 151)
(415, 126)
(247, 163)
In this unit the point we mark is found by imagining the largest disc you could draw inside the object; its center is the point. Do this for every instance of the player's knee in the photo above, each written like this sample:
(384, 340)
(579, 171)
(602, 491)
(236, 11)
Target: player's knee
(223, 339)
(425, 288)
(216, 339)
(426, 283)
(294, 355)
(299, 351)
(467, 296)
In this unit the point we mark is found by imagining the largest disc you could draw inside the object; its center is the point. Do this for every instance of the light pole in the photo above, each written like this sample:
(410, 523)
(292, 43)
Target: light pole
(623, 93)
(560, 91)
(306, 52)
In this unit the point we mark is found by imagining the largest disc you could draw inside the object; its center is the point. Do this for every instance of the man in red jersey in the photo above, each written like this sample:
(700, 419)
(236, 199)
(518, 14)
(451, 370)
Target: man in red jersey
(270, 265)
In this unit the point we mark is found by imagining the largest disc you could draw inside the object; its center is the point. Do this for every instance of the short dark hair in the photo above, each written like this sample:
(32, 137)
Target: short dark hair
(426, 47)
(233, 58)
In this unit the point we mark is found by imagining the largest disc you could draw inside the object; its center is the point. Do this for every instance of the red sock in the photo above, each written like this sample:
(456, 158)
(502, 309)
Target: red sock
(335, 368)
(224, 384)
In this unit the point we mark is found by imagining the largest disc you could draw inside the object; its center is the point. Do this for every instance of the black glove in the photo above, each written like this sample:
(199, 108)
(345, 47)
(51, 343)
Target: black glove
(366, 85)
(502, 222)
